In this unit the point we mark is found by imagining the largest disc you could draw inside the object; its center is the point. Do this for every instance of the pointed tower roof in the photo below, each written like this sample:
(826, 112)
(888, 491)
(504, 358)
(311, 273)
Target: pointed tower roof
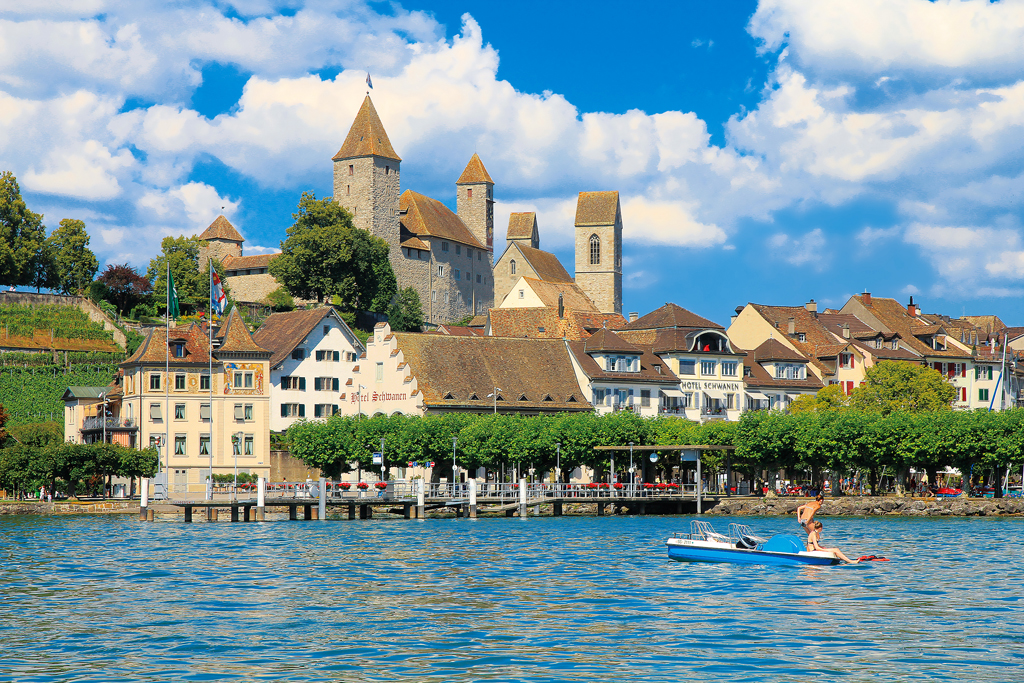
(235, 338)
(474, 173)
(367, 136)
(221, 229)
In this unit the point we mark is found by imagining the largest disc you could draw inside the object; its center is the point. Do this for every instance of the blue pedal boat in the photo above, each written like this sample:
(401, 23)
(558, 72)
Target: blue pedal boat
(741, 546)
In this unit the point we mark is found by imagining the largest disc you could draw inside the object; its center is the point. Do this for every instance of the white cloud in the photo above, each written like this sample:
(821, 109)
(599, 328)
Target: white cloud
(801, 251)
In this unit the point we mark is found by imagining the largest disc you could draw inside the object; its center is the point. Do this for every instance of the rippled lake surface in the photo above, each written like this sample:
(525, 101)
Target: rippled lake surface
(540, 599)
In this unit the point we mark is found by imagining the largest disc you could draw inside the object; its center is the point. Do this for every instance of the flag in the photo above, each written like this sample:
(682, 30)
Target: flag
(369, 83)
(217, 297)
(172, 297)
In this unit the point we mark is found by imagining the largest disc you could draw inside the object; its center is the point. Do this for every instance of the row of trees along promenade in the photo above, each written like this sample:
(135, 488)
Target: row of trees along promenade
(898, 420)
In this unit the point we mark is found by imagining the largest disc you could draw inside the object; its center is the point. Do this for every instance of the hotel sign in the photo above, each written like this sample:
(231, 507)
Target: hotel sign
(378, 397)
(695, 385)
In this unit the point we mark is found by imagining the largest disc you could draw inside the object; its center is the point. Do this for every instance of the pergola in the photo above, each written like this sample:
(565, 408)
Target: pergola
(690, 453)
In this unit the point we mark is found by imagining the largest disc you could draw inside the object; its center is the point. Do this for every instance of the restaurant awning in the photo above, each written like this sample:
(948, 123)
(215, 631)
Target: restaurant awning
(672, 393)
(715, 393)
(757, 396)
(792, 397)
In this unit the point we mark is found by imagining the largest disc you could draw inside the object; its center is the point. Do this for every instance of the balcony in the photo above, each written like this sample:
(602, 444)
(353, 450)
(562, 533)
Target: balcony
(97, 423)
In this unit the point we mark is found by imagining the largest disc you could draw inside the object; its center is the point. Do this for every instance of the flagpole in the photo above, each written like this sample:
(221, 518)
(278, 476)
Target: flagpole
(209, 446)
(167, 370)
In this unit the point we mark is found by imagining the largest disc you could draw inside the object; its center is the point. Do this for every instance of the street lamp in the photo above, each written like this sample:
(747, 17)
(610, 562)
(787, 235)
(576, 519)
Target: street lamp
(558, 461)
(495, 395)
(455, 440)
(382, 458)
(359, 400)
(631, 486)
(237, 439)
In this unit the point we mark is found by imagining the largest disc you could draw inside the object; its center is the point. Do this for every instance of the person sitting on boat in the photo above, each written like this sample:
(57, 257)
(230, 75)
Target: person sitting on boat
(809, 509)
(814, 543)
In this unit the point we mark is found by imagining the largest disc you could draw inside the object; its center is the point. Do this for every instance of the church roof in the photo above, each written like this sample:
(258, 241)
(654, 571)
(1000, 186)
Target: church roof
(221, 229)
(545, 264)
(597, 208)
(474, 173)
(521, 225)
(573, 298)
(423, 216)
(367, 136)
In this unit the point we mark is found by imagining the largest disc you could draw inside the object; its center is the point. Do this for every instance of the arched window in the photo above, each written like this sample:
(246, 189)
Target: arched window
(595, 250)
(512, 267)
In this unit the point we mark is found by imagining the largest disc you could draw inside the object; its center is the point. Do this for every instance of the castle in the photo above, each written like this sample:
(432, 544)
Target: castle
(447, 257)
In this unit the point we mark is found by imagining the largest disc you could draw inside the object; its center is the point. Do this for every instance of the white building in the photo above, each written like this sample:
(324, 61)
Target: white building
(314, 352)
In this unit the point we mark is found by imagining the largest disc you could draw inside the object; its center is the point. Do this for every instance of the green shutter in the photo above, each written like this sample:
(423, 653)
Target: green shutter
(302, 410)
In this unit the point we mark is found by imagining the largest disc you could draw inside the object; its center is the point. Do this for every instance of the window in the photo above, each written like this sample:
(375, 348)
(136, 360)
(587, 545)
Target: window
(469, 193)
(729, 368)
(687, 367)
(800, 336)
(963, 394)
(469, 278)
(780, 371)
(982, 372)
(293, 410)
(729, 398)
(380, 373)
(179, 444)
(204, 411)
(458, 274)
(479, 256)
(707, 367)
(154, 381)
(248, 444)
(236, 445)
(247, 413)
(895, 344)
(351, 169)
(179, 382)
(522, 294)
(447, 298)
(444, 246)
(878, 343)
(327, 329)
(204, 444)
(595, 250)
(238, 380)
(298, 354)
(846, 360)
(204, 382)
(469, 253)
(179, 349)
(153, 442)
(348, 189)
(239, 411)
(324, 410)
(387, 170)
(350, 356)
(458, 250)
(156, 411)
(512, 267)
(599, 396)
(440, 271)
(645, 397)
(478, 278)
(179, 411)
(982, 394)
(433, 296)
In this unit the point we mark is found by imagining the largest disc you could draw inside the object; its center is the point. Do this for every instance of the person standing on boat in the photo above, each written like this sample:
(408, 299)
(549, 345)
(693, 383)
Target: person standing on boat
(805, 513)
(814, 543)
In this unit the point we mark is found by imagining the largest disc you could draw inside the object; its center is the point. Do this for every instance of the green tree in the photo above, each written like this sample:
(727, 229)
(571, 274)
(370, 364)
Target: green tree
(43, 268)
(40, 434)
(828, 398)
(899, 386)
(75, 264)
(21, 235)
(406, 312)
(125, 288)
(280, 300)
(325, 255)
(183, 255)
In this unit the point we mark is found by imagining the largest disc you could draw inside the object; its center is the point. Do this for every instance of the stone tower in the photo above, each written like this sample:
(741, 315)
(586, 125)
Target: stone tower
(599, 249)
(366, 177)
(522, 229)
(475, 201)
(219, 241)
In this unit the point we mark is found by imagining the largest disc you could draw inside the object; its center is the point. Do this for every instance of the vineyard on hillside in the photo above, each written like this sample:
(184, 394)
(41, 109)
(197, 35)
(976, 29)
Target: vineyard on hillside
(68, 322)
(33, 394)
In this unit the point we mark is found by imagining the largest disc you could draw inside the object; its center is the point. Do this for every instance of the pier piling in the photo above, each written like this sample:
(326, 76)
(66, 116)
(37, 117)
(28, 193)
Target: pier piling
(322, 508)
(144, 499)
(472, 498)
(522, 497)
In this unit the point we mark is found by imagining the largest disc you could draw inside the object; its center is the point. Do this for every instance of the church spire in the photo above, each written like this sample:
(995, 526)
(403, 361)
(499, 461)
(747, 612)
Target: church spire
(367, 136)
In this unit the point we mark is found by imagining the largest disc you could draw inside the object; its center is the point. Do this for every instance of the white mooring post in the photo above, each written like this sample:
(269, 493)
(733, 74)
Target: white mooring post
(522, 497)
(143, 498)
(472, 498)
(261, 498)
(420, 502)
(322, 508)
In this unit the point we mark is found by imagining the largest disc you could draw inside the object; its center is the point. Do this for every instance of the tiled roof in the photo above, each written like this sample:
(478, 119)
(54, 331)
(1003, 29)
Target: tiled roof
(605, 340)
(154, 348)
(833, 322)
(426, 217)
(478, 321)
(772, 349)
(367, 136)
(759, 378)
(1011, 332)
(410, 241)
(247, 262)
(572, 296)
(474, 173)
(886, 352)
(816, 336)
(236, 338)
(649, 364)
(521, 225)
(894, 317)
(597, 208)
(282, 332)
(221, 229)
(468, 366)
(828, 351)
(459, 331)
(989, 324)
(545, 323)
(545, 264)
(671, 315)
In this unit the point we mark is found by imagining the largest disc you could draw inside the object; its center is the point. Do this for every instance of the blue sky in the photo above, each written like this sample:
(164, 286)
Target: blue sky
(768, 151)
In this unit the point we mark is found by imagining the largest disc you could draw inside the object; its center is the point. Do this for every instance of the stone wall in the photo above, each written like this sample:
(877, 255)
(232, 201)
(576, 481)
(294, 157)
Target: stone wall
(871, 505)
(217, 250)
(504, 280)
(603, 281)
(285, 467)
(252, 288)
(477, 212)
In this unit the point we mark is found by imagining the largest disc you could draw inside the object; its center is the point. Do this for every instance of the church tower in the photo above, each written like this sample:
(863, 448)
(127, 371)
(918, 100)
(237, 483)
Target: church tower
(366, 177)
(475, 201)
(599, 249)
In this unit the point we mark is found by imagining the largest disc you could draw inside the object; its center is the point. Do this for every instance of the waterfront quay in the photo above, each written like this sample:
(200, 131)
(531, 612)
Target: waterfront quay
(417, 500)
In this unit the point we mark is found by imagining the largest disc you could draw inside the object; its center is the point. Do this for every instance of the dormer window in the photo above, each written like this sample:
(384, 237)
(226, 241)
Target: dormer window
(895, 345)
(800, 336)
(179, 349)
(878, 343)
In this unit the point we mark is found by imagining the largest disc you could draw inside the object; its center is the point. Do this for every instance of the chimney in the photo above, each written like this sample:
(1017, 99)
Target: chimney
(812, 307)
(792, 326)
(561, 307)
(846, 330)
(912, 308)
(867, 298)
(633, 316)
(732, 318)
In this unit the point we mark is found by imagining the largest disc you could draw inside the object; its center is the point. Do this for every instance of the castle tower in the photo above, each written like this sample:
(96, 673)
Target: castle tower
(219, 241)
(522, 229)
(599, 249)
(366, 177)
(475, 201)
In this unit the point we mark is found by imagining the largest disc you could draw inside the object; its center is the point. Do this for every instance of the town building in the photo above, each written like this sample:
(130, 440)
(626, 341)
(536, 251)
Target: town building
(775, 375)
(94, 415)
(314, 352)
(523, 257)
(420, 374)
(549, 309)
(190, 414)
(700, 354)
(618, 375)
(248, 277)
(446, 257)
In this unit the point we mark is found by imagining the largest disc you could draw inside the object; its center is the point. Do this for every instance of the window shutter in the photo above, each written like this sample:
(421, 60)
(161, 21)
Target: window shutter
(337, 356)
(302, 410)
(318, 384)
(204, 411)
(963, 369)
(155, 411)
(239, 412)
(334, 384)
(284, 410)
(302, 384)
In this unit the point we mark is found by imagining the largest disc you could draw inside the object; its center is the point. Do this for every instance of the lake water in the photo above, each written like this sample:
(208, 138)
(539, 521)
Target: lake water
(544, 599)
